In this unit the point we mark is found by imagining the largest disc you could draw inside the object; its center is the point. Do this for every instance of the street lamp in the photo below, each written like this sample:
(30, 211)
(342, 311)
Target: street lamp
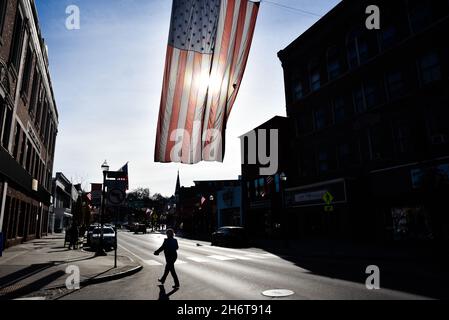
(105, 169)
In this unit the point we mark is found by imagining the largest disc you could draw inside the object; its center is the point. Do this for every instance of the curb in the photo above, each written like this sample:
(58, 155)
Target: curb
(111, 277)
(102, 279)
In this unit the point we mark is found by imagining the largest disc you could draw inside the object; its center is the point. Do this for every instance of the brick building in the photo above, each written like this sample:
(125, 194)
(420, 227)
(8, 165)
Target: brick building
(28, 124)
(370, 110)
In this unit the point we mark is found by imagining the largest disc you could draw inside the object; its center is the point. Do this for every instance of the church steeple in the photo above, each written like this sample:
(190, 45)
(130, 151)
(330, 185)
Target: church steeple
(178, 184)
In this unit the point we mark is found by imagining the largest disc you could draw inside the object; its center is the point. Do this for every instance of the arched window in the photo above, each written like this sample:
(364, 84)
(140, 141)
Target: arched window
(361, 46)
(420, 13)
(352, 49)
(3, 5)
(334, 66)
(315, 75)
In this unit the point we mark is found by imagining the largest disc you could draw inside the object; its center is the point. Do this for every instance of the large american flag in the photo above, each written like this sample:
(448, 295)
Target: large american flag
(208, 48)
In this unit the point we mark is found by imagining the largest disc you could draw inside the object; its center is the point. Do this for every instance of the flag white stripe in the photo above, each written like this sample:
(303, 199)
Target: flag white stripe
(185, 96)
(219, 89)
(200, 108)
(169, 105)
(243, 45)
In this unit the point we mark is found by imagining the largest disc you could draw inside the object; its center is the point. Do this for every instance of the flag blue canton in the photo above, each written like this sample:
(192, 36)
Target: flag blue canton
(194, 25)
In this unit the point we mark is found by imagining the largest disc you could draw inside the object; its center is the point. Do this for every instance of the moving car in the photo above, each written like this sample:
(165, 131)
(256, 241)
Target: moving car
(108, 237)
(230, 236)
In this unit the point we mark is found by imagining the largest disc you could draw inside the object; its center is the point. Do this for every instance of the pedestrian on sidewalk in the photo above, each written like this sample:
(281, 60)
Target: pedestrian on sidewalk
(73, 237)
(170, 246)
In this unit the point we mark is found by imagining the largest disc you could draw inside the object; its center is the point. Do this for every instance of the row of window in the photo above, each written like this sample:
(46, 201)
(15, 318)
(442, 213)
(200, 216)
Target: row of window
(38, 105)
(22, 219)
(370, 93)
(3, 6)
(399, 140)
(34, 96)
(29, 158)
(23, 150)
(5, 123)
(263, 187)
(363, 45)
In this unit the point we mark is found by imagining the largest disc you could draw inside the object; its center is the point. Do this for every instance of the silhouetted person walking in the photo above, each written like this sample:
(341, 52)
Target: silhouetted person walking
(73, 237)
(169, 247)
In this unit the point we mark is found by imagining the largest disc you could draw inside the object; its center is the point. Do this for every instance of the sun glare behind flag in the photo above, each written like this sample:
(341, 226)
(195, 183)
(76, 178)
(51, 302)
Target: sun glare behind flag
(208, 48)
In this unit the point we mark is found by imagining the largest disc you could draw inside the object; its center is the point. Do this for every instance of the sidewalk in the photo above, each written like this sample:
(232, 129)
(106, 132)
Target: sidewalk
(38, 268)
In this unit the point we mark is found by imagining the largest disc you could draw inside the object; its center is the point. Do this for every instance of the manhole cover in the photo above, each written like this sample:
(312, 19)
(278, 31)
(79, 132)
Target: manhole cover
(278, 293)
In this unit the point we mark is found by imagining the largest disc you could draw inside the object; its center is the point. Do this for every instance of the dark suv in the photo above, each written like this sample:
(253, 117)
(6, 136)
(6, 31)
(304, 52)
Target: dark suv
(230, 236)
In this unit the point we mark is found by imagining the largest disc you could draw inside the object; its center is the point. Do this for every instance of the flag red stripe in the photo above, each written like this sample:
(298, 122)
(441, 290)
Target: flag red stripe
(223, 56)
(187, 97)
(245, 58)
(176, 102)
(238, 41)
(215, 122)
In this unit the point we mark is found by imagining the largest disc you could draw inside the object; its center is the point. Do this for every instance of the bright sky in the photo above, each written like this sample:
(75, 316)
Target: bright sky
(107, 79)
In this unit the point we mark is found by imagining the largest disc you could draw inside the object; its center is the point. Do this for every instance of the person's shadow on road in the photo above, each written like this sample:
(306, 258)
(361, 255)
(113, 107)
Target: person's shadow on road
(162, 293)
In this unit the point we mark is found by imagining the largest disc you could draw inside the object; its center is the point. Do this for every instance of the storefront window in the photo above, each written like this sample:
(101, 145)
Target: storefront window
(411, 224)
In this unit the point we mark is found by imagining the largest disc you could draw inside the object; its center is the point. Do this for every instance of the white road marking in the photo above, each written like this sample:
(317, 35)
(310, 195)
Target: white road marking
(138, 257)
(180, 262)
(152, 263)
(270, 255)
(198, 259)
(239, 257)
(256, 256)
(222, 258)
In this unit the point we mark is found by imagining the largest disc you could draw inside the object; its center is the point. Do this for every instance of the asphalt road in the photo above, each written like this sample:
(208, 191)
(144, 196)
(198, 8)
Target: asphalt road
(216, 273)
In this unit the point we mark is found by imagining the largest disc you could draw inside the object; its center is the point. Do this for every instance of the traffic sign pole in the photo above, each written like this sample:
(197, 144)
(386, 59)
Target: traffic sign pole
(116, 238)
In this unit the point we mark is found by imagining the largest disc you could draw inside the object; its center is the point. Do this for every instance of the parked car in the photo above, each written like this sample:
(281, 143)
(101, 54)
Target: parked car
(140, 227)
(230, 236)
(89, 233)
(108, 237)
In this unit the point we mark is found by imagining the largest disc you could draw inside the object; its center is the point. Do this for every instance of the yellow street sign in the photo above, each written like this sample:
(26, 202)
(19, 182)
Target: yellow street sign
(328, 198)
(329, 209)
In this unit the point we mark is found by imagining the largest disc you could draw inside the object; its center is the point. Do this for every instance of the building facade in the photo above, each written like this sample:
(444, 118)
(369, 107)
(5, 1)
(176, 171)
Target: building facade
(202, 208)
(65, 196)
(370, 110)
(262, 195)
(28, 124)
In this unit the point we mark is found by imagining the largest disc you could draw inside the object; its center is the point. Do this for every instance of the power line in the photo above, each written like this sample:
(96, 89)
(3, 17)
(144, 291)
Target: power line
(291, 8)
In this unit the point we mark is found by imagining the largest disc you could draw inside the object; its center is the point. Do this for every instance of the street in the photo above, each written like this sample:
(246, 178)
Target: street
(216, 273)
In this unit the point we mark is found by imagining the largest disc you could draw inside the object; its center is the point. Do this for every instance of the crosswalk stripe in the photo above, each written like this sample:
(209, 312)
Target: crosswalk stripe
(239, 257)
(222, 258)
(152, 262)
(256, 256)
(270, 255)
(198, 259)
(180, 262)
